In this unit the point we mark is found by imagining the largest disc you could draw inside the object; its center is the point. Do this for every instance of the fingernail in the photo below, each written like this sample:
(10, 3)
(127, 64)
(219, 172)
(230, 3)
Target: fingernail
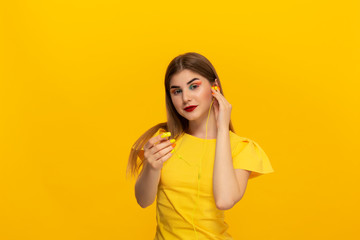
(173, 145)
(215, 87)
(172, 151)
(172, 140)
(212, 93)
(167, 134)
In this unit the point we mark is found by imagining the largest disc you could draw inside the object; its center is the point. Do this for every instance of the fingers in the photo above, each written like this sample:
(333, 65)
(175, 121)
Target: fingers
(164, 144)
(215, 89)
(217, 94)
(166, 156)
(157, 139)
(164, 151)
(159, 147)
(221, 99)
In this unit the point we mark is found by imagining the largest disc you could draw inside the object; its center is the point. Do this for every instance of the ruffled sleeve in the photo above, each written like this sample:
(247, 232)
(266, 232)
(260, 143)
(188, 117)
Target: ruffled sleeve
(250, 156)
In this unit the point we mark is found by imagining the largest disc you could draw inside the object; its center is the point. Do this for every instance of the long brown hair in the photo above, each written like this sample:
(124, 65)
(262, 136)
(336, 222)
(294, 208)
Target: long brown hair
(176, 124)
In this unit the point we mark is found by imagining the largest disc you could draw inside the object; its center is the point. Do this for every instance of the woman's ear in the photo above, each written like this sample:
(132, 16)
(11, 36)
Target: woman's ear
(216, 83)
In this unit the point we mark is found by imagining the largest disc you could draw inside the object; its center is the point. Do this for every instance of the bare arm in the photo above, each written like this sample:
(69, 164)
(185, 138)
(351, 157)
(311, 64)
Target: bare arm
(225, 186)
(228, 184)
(146, 186)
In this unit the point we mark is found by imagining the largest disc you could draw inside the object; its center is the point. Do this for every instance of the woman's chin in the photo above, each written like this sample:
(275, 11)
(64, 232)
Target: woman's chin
(190, 116)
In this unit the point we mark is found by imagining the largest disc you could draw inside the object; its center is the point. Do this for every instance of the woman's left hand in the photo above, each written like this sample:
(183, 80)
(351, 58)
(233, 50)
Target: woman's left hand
(222, 109)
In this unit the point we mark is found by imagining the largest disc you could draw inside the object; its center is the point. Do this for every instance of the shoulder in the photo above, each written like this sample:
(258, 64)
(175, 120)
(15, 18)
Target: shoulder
(237, 140)
(236, 137)
(239, 143)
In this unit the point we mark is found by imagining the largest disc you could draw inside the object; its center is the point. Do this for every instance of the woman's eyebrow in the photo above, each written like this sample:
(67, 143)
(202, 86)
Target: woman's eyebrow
(187, 83)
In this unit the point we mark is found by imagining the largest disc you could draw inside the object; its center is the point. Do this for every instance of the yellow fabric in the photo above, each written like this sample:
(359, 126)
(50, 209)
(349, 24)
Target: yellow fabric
(185, 206)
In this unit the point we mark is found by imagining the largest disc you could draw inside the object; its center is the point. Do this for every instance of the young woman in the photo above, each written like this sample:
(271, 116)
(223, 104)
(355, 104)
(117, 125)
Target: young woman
(204, 169)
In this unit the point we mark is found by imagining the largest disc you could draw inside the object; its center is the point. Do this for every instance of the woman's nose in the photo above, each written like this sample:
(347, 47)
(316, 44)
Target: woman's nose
(186, 96)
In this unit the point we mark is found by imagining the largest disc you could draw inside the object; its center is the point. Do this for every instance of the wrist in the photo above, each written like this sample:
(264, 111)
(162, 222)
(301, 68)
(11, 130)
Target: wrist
(150, 169)
(222, 130)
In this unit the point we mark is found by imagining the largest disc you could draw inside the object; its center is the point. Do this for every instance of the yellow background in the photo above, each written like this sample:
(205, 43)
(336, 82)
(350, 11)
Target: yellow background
(82, 80)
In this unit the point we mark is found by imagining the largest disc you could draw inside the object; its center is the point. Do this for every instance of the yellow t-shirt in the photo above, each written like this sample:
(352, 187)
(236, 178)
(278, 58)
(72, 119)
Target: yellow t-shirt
(185, 205)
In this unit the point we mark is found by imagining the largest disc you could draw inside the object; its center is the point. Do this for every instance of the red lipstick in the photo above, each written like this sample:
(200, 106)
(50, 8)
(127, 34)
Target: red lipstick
(190, 108)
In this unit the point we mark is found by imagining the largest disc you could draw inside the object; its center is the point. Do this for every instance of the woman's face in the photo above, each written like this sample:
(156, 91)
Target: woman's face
(189, 88)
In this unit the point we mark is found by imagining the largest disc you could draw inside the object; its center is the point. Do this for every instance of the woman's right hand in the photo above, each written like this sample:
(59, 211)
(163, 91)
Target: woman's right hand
(156, 154)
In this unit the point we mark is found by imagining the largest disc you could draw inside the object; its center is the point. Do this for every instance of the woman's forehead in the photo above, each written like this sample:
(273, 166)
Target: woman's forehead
(184, 77)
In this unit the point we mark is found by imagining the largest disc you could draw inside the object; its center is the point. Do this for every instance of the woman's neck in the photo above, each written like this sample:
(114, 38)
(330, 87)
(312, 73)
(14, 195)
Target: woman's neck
(197, 127)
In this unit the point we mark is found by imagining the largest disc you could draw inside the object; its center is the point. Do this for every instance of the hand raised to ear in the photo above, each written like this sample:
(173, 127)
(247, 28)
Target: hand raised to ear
(222, 109)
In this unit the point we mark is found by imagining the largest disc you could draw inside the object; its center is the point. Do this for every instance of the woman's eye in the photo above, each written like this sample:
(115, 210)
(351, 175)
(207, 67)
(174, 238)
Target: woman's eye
(175, 92)
(194, 85)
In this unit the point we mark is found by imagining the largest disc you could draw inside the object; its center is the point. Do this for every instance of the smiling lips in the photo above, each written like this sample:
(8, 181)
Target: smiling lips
(190, 108)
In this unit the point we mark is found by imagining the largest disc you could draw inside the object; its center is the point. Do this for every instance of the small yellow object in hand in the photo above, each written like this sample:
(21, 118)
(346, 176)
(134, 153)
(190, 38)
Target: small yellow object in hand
(166, 134)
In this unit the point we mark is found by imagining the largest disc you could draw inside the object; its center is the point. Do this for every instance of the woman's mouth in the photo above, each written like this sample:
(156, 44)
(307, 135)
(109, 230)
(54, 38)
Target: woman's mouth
(190, 108)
